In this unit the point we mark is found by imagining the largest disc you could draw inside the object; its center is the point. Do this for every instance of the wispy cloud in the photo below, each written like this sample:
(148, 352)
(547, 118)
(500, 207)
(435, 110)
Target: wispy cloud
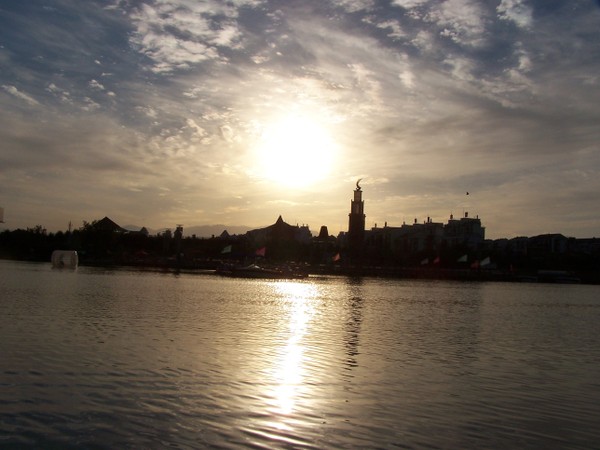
(178, 35)
(463, 21)
(517, 11)
(12, 90)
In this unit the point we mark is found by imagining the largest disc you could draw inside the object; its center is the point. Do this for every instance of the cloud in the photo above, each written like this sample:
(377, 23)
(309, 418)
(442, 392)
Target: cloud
(89, 104)
(178, 35)
(408, 78)
(95, 85)
(463, 21)
(227, 133)
(63, 95)
(409, 3)
(394, 26)
(12, 90)
(516, 11)
(356, 5)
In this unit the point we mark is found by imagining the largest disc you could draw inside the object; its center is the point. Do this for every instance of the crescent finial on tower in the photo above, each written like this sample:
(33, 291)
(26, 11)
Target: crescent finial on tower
(358, 185)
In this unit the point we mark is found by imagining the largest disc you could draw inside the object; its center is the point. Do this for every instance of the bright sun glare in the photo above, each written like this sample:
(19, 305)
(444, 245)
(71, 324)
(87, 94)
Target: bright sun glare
(295, 152)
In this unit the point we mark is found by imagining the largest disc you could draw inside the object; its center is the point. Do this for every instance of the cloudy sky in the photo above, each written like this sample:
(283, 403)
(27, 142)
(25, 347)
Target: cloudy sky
(164, 112)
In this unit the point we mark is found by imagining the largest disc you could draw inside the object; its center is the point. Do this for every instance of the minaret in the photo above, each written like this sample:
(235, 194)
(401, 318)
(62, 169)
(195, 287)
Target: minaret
(356, 222)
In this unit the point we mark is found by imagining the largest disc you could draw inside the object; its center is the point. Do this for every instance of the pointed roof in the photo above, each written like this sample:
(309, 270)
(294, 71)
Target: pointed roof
(279, 230)
(323, 233)
(107, 224)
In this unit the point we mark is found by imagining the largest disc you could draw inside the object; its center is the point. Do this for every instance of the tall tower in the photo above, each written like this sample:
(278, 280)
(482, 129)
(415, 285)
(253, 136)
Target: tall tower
(356, 221)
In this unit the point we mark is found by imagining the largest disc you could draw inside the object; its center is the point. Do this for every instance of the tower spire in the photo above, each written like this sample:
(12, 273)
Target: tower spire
(356, 221)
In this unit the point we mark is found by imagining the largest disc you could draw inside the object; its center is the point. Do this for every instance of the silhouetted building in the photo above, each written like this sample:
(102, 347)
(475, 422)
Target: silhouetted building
(278, 242)
(323, 233)
(421, 237)
(465, 231)
(586, 246)
(356, 222)
(280, 231)
(545, 244)
(406, 240)
(178, 236)
(324, 247)
(107, 224)
(517, 246)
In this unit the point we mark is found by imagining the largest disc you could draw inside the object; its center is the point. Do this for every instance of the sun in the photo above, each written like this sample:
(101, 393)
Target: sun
(295, 151)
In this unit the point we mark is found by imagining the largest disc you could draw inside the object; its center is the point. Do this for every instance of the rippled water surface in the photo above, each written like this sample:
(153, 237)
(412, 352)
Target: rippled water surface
(127, 359)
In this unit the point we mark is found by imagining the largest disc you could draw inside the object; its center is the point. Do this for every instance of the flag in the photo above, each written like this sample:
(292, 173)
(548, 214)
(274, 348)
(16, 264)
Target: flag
(425, 261)
(463, 258)
(336, 257)
(261, 251)
(226, 249)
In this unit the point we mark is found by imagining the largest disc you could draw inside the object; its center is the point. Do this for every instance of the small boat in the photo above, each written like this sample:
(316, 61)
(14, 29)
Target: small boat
(255, 271)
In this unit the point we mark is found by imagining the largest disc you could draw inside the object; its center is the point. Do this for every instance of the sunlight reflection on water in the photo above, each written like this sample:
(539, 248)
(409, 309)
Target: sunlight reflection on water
(288, 369)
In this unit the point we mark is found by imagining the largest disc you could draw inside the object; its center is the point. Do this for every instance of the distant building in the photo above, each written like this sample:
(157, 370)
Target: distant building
(324, 247)
(585, 246)
(323, 233)
(421, 237)
(545, 244)
(280, 241)
(407, 239)
(465, 231)
(280, 231)
(303, 234)
(428, 237)
(107, 224)
(356, 222)
(517, 246)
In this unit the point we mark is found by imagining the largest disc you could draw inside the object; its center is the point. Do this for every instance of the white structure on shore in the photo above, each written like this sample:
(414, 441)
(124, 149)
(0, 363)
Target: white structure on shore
(64, 259)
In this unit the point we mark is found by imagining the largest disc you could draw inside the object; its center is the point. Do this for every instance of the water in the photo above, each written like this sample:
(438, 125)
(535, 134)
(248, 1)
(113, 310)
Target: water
(128, 359)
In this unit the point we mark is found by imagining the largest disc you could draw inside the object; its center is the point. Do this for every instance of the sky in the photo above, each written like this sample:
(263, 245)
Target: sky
(164, 112)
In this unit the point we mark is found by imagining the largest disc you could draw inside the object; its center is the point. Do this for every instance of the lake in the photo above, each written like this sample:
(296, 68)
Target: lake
(98, 358)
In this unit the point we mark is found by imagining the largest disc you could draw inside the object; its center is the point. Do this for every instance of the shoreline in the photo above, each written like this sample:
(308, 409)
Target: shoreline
(210, 267)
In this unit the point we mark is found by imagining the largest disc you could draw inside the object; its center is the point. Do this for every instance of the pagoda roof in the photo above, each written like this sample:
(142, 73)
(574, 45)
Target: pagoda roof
(107, 224)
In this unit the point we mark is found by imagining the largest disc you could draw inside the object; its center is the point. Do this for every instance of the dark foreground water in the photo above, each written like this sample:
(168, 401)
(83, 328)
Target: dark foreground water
(125, 359)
